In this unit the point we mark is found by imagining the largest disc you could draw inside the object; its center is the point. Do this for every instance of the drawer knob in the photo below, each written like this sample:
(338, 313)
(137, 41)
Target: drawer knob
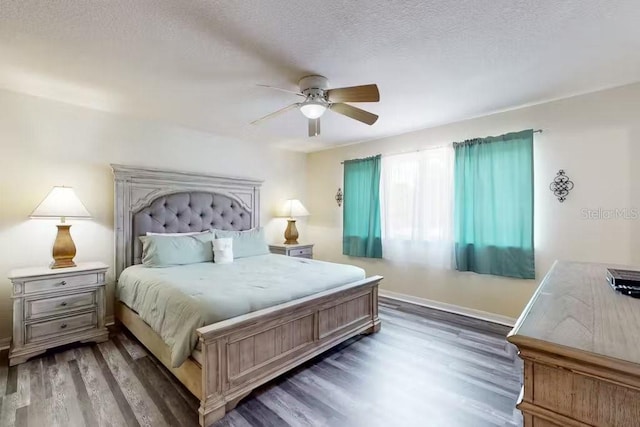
(63, 283)
(63, 326)
(63, 303)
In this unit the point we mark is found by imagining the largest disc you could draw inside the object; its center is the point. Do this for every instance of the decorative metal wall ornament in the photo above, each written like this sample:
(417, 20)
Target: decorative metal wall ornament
(339, 197)
(561, 186)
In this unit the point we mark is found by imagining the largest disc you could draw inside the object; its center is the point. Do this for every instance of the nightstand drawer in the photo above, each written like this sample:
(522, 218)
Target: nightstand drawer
(301, 252)
(35, 309)
(54, 328)
(59, 284)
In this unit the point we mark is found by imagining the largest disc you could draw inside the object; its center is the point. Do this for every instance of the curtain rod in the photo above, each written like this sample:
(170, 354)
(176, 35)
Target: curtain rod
(424, 149)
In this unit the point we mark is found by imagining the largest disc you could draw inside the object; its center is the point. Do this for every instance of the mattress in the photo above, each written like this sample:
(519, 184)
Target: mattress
(197, 353)
(175, 301)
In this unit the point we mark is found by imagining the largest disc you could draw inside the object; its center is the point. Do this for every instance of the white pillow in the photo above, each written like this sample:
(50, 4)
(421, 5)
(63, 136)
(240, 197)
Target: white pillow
(191, 233)
(245, 243)
(223, 250)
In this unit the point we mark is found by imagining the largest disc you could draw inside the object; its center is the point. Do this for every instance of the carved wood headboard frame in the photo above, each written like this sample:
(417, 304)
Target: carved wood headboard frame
(136, 188)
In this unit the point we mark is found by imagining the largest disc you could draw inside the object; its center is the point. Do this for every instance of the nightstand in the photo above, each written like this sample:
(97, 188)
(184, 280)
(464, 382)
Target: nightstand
(56, 307)
(299, 250)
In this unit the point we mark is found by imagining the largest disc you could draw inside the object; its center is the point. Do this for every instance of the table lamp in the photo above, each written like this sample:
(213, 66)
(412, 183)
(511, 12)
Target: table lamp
(292, 208)
(62, 202)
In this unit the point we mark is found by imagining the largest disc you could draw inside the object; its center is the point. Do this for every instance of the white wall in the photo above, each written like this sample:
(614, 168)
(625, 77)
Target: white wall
(595, 138)
(45, 143)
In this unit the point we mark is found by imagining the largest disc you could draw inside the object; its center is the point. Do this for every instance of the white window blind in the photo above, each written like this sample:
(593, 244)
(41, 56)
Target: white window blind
(417, 207)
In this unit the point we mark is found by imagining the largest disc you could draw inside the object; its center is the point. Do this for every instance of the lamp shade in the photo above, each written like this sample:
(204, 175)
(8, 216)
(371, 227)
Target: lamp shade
(293, 208)
(61, 202)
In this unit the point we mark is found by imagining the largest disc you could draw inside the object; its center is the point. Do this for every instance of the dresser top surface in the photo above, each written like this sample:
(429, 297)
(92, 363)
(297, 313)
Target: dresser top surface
(574, 308)
(290, 245)
(21, 273)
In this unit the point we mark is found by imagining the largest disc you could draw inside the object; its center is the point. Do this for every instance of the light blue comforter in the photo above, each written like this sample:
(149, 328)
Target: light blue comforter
(175, 301)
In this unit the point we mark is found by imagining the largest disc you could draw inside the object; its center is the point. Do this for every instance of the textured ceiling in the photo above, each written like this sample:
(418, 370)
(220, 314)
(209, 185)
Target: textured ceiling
(195, 63)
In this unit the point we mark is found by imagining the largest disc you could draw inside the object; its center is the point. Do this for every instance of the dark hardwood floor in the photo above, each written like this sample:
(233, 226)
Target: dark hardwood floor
(424, 368)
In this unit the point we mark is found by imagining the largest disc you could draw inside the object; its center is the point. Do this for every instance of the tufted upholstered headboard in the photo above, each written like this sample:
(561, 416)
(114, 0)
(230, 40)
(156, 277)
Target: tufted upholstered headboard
(152, 200)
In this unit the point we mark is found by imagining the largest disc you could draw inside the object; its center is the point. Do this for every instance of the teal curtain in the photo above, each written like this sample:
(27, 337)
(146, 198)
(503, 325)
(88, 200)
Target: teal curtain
(361, 233)
(493, 213)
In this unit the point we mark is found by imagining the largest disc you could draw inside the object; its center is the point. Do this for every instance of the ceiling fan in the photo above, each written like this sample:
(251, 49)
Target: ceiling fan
(318, 98)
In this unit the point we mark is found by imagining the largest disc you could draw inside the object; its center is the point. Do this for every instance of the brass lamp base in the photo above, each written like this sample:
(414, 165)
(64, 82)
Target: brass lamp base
(63, 248)
(291, 233)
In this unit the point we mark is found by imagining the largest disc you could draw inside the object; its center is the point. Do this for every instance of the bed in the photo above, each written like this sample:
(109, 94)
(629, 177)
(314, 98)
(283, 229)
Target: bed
(256, 339)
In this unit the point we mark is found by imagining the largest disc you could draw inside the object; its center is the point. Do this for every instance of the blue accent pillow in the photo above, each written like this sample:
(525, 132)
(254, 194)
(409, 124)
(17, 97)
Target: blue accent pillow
(245, 243)
(166, 251)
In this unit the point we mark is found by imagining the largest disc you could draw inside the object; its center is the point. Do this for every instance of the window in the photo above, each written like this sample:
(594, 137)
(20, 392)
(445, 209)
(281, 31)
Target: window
(416, 207)
(468, 205)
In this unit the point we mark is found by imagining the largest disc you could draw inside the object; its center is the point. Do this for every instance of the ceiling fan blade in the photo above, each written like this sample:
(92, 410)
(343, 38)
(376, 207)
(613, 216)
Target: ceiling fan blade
(314, 127)
(282, 90)
(275, 113)
(355, 113)
(365, 93)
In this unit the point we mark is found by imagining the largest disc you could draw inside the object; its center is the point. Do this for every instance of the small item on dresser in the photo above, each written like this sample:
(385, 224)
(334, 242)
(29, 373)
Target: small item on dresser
(624, 281)
(633, 293)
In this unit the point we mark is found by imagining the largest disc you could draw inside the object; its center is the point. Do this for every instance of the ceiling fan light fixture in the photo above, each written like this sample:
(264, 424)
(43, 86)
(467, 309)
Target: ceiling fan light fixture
(313, 109)
(319, 97)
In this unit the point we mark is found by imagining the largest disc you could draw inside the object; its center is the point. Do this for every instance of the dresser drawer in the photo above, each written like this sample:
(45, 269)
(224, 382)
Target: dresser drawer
(35, 309)
(59, 284)
(584, 397)
(53, 328)
(303, 252)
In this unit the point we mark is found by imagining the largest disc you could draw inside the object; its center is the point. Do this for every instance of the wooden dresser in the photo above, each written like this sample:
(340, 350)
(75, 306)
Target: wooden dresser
(56, 307)
(580, 342)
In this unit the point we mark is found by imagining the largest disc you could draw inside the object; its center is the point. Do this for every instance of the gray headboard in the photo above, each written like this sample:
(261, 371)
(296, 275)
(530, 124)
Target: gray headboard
(153, 200)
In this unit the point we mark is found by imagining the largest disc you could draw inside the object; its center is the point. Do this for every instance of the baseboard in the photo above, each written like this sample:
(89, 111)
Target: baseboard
(109, 320)
(5, 343)
(450, 308)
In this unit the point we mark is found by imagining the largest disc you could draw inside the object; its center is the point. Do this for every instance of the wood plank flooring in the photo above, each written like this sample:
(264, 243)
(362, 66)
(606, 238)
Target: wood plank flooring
(424, 368)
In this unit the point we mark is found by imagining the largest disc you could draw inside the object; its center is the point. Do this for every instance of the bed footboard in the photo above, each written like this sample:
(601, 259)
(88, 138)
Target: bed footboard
(242, 353)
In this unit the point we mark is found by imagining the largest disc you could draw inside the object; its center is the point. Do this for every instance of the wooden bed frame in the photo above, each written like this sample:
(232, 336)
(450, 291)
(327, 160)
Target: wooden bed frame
(244, 352)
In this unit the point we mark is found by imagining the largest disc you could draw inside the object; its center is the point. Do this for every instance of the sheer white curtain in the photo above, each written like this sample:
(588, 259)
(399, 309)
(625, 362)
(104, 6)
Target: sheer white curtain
(416, 196)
